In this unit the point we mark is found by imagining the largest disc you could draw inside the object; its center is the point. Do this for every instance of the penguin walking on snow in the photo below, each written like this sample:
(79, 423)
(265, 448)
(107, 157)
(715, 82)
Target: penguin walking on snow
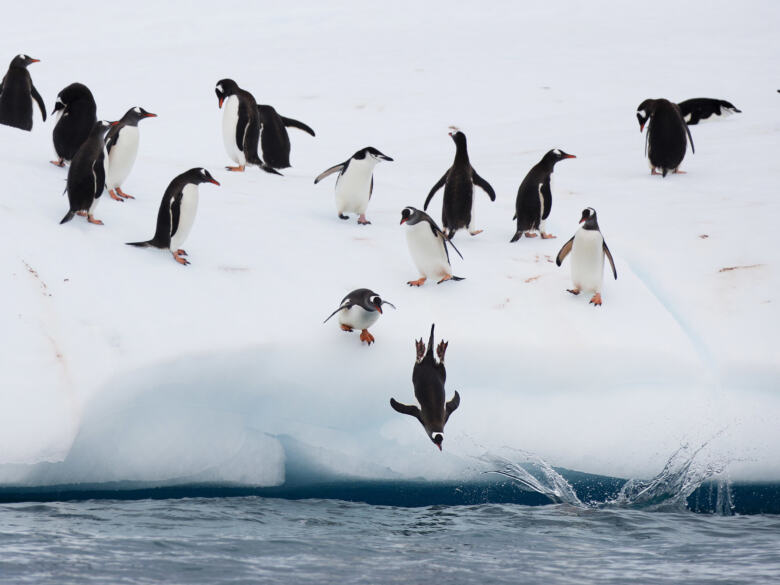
(17, 93)
(697, 109)
(428, 247)
(274, 140)
(667, 135)
(457, 209)
(76, 113)
(428, 378)
(355, 182)
(177, 213)
(587, 248)
(359, 310)
(534, 197)
(122, 147)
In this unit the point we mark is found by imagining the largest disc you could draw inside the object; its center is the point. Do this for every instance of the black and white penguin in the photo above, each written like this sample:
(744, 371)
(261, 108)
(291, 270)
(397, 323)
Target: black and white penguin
(87, 175)
(355, 182)
(588, 249)
(428, 378)
(122, 147)
(76, 113)
(240, 126)
(534, 197)
(665, 141)
(17, 93)
(360, 309)
(697, 109)
(177, 213)
(274, 140)
(428, 247)
(457, 210)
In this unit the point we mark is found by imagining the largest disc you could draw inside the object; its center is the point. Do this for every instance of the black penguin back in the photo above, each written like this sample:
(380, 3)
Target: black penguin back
(528, 206)
(274, 140)
(428, 378)
(76, 122)
(666, 136)
(458, 188)
(16, 107)
(86, 175)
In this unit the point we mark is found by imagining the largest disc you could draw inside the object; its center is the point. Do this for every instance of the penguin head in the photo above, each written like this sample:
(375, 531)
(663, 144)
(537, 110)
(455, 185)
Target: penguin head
(556, 155)
(411, 215)
(224, 89)
(438, 439)
(644, 111)
(371, 153)
(22, 60)
(135, 115)
(102, 126)
(71, 94)
(373, 302)
(458, 137)
(588, 219)
(200, 175)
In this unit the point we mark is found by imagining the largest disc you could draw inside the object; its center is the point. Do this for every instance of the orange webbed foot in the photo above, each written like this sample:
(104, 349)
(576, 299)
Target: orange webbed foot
(574, 291)
(58, 163)
(418, 282)
(346, 328)
(476, 232)
(445, 278)
(238, 169)
(548, 236)
(367, 337)
(181, 259)
(530, 234)
(91, 219)
(123, 194)
(114, 196)
(596, 299)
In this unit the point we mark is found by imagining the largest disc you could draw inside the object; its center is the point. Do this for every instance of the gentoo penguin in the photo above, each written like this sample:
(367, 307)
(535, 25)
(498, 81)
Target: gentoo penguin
(87, 175)
(77, 113)
(588, 249)
(17, 93)
(122, 147)
(697, 109)
(177, 213)
(240, 126)
(428, 378)
(457, 210)
(355, 182)
(359, 310)
(665, 141)
(274, 141)
(534, 197)
(428, 247)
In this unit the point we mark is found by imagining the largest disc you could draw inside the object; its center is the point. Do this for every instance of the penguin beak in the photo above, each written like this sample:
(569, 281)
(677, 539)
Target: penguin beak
(583, 219)
(113, 123)
(35, 61)
(379, 308)
(384, 157)
(569, 156)
(641, 127)
(220, 102)
(150, 115)
(215, 182)
(439, 446)
(404, 220)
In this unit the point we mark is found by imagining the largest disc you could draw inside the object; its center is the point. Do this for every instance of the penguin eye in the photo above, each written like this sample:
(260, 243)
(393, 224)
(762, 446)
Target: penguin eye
(137, 110)
(376, 300)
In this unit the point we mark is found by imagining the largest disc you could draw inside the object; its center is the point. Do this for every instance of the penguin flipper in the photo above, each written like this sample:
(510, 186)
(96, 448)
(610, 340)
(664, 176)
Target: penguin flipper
(341, 308)
(682, 121)
(111, 138)
(608, 254)
(290, 123)
(544, 189)
(439, 184)
(406, 409)
(483, 184)
(37, 97)
(564, 251)
(451, 406)
(330, 171)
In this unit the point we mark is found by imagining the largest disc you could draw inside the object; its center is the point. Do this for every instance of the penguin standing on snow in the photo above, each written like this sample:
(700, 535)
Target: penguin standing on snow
(428, 247)
(355, 182)
(17, 93)
(274, 140)
(359, 310)
(76, 116)
(667, 135)
(588, 249)
(697, 109)
(122, 147)
(428, 378)
(177, 213)
(534, 197)
(457, 210)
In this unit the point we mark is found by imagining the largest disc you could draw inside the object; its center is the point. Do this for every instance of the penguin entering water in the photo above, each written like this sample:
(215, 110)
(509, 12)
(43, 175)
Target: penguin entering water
(355, 182)
(274, 140)
(428, 378)
(457, 209)
(17, 93)
(122, 147)
(588, 249)
(359, 310)
(428, 247)
(665, 141)
(697, 109)
(77, 113)
(534, 197)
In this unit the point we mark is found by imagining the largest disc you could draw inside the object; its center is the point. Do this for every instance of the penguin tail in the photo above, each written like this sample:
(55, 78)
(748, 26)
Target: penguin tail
(664, 171)
(270, 170)
(517, 236)
(68, 217)
(145, 244)
(430, 343)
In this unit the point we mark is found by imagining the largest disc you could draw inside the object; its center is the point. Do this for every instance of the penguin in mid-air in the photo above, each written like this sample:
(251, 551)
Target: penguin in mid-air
(697, 109)
(76, 113)
(17, 93)
(122, 147)
(87, 175)
(177, 213)
(428, 378)
(667, 135)
(588, 249)
(428, 247)
(534, 197)
(359, 310)
(355, 182)
(240, 126)
(457, 209)
(274, 140)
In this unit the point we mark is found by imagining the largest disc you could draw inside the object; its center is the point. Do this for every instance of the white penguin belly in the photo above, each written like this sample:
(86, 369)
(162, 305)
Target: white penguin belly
(587, 260)
(357, 317)
(229, 123)
(353, 188)
(122, 157)
(427, 251)
(187, 211)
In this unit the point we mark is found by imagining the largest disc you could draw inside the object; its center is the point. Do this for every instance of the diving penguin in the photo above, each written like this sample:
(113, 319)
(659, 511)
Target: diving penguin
(360, 309)
(355, 182)
(17, 93)
(122, 147)
(697, 109)
(76, 116)
(665, 141)
(428, 378)
(274, 140)
(87, 175)
(428, 247)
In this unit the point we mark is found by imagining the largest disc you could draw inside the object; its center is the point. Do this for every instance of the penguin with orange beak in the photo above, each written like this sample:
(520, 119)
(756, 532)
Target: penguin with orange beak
(360, 309)
(17, 93)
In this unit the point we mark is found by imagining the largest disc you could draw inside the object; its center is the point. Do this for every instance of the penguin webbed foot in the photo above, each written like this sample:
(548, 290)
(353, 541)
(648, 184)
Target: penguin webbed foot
(654, 172)
(679, 172)
(596, 300)
(362, 220)
(445, 278)
(530, 234)
(418, 282)
(574, 291)
(419, 345)
(180, 252)
(346, 328)
(58, 163)
(123, 194)
(81, 213)
(91, 219)
(441, 349)
(367, 337)
(546, 236)
(180, 259)
(238, 169)
(475, 232)
(342, 216)
(114, 196)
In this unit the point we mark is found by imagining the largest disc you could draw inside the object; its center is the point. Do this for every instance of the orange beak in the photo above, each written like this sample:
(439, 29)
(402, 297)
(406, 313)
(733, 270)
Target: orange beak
(215, 182)
(378, 308)
(220, 102)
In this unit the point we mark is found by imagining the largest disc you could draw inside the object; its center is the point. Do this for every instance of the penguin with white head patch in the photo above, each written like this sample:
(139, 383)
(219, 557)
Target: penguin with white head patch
(428, 247)
(76, 113)
(355, 182)
(274, 140)
(667, 135)
(696, 109)
(587, 248)
(17, 93)
(360, 309)
(122, 147)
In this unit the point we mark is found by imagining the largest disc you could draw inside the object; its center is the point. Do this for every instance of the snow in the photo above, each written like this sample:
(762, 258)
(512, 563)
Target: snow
(116, 363)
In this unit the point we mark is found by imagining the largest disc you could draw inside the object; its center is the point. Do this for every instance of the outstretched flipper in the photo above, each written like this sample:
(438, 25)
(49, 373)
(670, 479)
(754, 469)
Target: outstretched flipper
(406, 409)
(334, 169)
(37, 97)
(341, 308)
(608, 254)
(483, 184)
(439, 184)
(290, 123)
(452, 405)
(565, 251)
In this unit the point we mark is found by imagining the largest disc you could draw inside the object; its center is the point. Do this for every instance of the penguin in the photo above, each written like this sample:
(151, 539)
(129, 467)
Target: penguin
(355, 182)
(665, 141)
(457, 210)
(274, 140)
(360, 309)
(697, 109)
(428, 378)
(588, 249)
(87, 175)
(428, 247)
(122, 147)
(534, 197)
(177, 213)
(17, 93)
(240, 126)
(76, 116)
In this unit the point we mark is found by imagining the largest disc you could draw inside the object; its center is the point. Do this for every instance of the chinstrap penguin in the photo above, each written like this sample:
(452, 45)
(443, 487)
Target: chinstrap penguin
(428, 247)
(665, 140)
(274, 140)
(17, 93)
(87, 175)
(76, 113)
(697, 109)
(122, 147)
(360, 309)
